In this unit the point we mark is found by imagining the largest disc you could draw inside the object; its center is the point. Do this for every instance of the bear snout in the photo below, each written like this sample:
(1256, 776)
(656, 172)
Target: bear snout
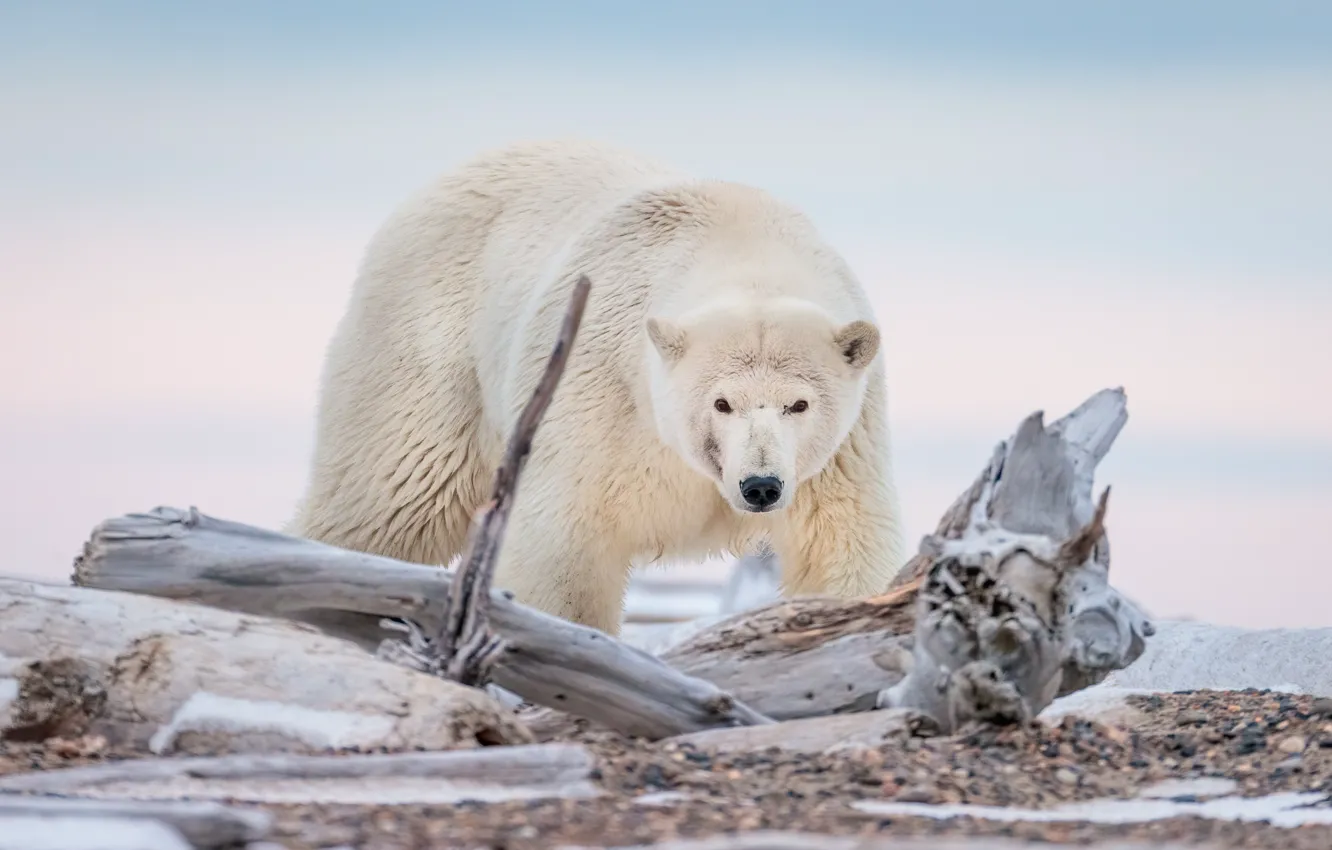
(761, 492)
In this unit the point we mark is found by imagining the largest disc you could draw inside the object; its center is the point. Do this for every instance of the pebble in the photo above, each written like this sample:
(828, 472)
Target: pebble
(1293, 744)
(88, 745)
(654, 777)
(1294, 764)
(1065, 776)
(1117, 734)
(1322, 707)
(1191, 717)
(917, 794)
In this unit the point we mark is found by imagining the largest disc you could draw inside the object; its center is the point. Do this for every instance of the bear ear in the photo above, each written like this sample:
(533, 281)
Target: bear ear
(668, 337)
(857, 342)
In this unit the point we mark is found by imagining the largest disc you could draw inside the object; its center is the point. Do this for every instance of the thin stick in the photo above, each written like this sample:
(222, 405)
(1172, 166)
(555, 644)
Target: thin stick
(466, 648)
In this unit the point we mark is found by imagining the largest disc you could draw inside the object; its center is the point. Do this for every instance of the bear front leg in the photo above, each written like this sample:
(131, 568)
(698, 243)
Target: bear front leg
(555, 560)
(843, 535)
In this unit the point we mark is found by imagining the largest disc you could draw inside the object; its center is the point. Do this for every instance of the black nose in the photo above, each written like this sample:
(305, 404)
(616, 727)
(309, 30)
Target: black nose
(761, 491)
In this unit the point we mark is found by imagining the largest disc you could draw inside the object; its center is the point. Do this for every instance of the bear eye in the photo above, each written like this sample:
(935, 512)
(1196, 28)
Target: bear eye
(722, 405)
(799, 407)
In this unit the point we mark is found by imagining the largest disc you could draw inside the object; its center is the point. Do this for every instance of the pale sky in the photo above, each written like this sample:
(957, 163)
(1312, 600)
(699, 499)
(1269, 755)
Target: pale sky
(1041, 201)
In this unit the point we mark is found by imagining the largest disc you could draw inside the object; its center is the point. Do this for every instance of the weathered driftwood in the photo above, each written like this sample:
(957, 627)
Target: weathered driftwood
(201, 824)
(190, 556)
(492, 774)
(993, 623)
(1041, 482)
(517, 765)
(815, 655)
(183, 678)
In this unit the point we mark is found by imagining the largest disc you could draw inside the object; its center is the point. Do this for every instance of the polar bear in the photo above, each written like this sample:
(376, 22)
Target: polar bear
(726, 384)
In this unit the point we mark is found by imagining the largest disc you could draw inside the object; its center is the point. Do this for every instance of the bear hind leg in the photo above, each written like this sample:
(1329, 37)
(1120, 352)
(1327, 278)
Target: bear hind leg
(398, 489)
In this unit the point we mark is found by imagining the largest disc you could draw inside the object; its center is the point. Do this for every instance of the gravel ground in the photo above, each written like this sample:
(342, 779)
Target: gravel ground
(1265, 741)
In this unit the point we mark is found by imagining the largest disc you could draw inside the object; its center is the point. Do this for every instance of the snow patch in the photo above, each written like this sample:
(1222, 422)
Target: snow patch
(1098, 702)
(1184, 656)
(504, 697)
(209, 713)
(1109, 704)
(1286, 810)
(9, 691)
(671, 601)
(28, 832)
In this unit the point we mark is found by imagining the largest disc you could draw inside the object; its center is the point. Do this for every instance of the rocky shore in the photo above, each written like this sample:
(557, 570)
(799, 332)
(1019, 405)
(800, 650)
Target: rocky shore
(1177, 750)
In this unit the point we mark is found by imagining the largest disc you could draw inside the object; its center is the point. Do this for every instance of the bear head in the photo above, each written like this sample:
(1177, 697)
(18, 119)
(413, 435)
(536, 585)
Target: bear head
(758, 394)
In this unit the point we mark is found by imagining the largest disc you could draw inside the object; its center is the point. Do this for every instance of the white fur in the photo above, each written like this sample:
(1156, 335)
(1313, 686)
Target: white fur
(700, 289)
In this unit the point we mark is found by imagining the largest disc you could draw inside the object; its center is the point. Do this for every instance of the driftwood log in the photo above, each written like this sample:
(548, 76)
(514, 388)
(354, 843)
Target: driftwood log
(493, 774)
(152, 674)
(187, 555)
